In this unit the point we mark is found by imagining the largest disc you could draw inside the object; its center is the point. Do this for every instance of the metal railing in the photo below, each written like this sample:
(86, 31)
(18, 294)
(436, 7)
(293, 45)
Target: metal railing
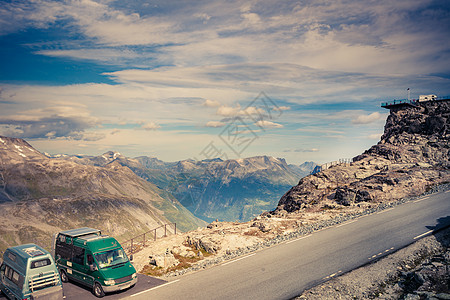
(341, 161)
(138, 242)
(412, 101)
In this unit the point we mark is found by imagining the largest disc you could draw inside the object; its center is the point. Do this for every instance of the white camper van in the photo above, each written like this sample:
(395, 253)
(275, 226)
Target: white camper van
(423, 98)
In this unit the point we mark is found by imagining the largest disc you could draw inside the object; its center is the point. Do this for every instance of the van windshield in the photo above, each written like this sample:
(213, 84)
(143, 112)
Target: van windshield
(111, 258)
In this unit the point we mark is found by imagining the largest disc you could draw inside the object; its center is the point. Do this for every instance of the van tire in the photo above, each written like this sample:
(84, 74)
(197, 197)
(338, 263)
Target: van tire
(97, 290)
(63, 274)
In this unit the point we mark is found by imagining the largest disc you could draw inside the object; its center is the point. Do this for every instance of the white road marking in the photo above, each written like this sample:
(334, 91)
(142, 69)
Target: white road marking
(423, 234)
(154, 288)
(303, 237)
(233, 261)
(385, 251)
(332, 275)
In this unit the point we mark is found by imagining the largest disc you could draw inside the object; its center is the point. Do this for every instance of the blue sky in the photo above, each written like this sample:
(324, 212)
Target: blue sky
(302, 80)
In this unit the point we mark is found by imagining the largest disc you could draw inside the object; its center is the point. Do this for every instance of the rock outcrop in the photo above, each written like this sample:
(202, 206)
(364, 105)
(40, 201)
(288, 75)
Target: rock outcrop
(412, 156)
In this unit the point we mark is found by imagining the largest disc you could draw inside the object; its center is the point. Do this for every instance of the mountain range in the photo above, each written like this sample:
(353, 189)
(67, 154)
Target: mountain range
(235, 189)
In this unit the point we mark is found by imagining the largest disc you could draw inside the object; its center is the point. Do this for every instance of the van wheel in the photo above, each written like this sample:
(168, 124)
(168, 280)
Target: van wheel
(98, 290)
(63, 274)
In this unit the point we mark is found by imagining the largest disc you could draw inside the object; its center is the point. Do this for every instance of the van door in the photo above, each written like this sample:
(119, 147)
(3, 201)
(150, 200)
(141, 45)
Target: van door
(78, 269)
(90, 273)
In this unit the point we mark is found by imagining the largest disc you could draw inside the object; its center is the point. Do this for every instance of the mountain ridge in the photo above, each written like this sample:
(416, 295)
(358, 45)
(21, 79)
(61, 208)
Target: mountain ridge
(234, 189)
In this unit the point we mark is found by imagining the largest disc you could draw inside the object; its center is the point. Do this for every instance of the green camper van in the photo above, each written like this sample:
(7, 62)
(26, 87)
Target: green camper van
(86, 256)
(29, 272)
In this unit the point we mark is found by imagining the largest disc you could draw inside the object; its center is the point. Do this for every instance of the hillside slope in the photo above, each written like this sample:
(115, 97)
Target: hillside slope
(41, 195)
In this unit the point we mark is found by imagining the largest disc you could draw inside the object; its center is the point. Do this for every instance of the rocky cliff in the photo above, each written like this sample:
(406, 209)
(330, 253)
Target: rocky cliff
(412, 155)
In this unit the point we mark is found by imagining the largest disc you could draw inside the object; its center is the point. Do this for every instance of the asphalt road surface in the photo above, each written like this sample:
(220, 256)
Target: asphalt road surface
(284, 271)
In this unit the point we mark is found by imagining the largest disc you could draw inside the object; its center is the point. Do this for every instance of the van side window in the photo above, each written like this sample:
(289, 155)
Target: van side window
(7, 271)
(62, 249)
(15, 277)
(78, 255)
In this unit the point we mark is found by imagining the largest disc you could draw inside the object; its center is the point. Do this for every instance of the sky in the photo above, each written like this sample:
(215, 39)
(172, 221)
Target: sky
(300, 80)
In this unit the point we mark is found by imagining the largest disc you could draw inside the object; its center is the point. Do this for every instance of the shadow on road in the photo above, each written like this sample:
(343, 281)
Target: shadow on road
(442, 236)
(74, 291)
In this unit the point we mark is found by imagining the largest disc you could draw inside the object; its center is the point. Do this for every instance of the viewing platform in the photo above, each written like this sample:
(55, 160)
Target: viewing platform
(413, 102)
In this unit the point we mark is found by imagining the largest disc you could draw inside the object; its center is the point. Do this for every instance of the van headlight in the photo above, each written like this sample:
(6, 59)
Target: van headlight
(109, 282)
(134, 275)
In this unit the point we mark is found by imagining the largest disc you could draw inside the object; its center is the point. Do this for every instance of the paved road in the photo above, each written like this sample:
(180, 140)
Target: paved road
(284, 271)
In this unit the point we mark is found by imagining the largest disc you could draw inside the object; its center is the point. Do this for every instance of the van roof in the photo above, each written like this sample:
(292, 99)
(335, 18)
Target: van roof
(19, 255)
(81, 231)
(100, 244)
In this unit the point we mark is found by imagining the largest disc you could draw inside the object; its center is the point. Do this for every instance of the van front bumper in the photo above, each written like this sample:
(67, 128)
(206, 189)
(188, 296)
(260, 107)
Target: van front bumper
(119, 287)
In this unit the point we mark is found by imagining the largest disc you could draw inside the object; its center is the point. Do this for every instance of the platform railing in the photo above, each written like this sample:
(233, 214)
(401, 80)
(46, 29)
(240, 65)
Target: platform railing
(138, 242)
(412, 101)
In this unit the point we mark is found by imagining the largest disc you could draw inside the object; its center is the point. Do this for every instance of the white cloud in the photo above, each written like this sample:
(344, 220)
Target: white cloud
(150, 126)
(215, 124)
(211, 103)
(268, 124)
(366, 119)
(228, 111)
(51, 121)
(281, 108)
(251, 110)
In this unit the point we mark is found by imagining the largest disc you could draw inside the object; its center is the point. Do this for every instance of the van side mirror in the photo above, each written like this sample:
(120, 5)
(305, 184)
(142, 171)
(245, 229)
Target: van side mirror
(93, 268)
(131, 257)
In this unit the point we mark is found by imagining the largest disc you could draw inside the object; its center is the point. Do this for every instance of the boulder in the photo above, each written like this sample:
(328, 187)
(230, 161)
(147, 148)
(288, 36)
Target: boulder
(207, 243)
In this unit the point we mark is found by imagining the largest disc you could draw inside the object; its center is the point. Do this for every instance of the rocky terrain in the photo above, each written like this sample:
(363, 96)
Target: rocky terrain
(412, 156)
(235, 189)
(40, 196)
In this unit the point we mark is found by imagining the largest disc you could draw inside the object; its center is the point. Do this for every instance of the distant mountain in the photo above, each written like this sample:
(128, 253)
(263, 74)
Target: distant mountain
(215, 189)
(233, 189)
(236, 189)
(40, 195)
(304, 169)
